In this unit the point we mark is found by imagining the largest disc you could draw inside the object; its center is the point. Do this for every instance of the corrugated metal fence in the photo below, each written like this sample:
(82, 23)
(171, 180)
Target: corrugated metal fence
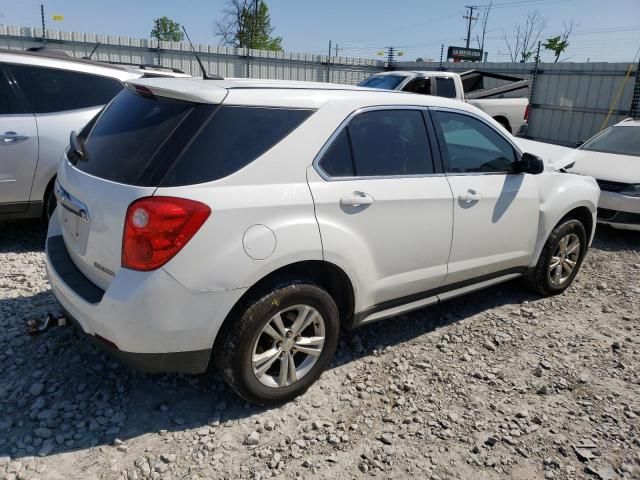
(572, 100)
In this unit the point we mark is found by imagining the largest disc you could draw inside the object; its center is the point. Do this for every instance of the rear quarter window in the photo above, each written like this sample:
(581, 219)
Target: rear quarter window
(146, 140)
(232, 138)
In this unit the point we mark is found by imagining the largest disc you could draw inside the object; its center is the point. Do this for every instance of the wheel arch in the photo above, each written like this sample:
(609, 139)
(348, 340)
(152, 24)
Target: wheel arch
(583, 211)
(326, 274)
(504, 121)
(48, 189)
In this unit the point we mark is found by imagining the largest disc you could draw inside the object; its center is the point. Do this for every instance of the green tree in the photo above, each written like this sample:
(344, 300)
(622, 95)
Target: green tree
(247, 24)
(166, 30)
(560, 43)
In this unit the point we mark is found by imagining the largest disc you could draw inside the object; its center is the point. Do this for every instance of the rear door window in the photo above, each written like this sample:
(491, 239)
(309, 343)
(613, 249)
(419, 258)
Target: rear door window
(337, 160)
(445, 87)
(9, 102)
(51, 90)
(380, 143)
(390, 142)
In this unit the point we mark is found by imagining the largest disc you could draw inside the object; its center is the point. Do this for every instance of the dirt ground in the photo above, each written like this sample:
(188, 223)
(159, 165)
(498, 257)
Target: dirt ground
(500, 384)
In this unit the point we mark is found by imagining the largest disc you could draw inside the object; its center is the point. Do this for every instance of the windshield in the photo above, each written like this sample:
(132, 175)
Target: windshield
(385, 82)
(622, 140)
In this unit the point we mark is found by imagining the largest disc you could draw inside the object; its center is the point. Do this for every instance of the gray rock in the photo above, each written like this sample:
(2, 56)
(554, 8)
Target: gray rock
(43, 432)
(252, 439)
(168, 457)
(36, 389)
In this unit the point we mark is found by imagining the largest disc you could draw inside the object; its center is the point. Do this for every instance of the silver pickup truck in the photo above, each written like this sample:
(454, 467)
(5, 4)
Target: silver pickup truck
(504, 101)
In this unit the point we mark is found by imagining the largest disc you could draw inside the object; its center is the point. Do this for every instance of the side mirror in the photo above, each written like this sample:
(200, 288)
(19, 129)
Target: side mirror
(76, 149)
(579, 143)
(530, 163)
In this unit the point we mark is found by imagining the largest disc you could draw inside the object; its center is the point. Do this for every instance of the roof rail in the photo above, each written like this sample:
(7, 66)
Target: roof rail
(147, 66)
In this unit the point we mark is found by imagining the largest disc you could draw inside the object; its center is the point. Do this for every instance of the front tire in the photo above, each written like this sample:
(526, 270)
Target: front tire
(559, 260)
(279, 343)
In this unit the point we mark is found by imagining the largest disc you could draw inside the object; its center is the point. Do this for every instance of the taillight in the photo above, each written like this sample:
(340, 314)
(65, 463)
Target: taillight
(156, 229)
(526, 112)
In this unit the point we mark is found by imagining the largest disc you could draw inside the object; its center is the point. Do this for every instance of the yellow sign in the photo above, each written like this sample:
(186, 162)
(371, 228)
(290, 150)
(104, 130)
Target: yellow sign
(58, 18)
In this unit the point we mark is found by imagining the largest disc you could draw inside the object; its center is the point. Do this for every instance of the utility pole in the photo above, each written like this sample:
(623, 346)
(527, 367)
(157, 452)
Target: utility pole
(44, 34)
(441, 53)
(329, 64)
(337, 49)
(158, 40)
(471, 18)
(534, 81)
(391, 57)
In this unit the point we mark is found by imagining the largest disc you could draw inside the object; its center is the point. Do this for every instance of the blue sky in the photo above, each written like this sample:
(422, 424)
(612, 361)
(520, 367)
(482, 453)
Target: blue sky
(607, 30)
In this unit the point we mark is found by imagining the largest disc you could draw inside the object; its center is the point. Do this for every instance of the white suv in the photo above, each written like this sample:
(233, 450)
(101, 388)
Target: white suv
(250, 220)
(44, 95)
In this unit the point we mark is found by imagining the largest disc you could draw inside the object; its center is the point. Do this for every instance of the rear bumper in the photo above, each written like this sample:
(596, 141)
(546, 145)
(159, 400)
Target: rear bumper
(146, 319)
(195, 361)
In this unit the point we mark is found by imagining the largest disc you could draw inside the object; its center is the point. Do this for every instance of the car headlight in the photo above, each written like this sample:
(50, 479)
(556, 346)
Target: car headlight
(632, 190)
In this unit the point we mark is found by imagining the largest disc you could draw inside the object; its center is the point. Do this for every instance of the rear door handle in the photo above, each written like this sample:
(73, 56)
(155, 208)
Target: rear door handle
(12, 137)
(470, 197)
(356, 200)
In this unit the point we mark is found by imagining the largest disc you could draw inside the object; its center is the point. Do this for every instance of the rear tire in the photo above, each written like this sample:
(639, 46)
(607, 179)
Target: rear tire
(278, 343)
(560, 259)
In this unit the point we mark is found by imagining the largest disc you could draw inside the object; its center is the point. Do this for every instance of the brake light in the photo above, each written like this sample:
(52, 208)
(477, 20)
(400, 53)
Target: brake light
(157, 228)
(526, 112)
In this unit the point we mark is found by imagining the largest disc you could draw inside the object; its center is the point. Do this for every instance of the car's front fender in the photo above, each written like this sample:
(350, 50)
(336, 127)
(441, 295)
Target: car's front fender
(561, 194)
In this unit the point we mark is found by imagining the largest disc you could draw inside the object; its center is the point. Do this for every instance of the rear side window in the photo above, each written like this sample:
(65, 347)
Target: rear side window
(381, 143)
(51, 90)
(144, 140)
(232, 138)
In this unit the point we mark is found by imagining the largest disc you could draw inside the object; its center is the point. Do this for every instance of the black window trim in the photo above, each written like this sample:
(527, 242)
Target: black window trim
(23, 96)
(440, 138)
(431, 137)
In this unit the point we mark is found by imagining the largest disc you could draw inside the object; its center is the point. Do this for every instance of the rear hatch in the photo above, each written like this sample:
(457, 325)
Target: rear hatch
(121, 156)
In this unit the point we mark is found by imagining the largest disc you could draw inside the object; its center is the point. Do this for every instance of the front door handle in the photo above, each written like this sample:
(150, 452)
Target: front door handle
(356, 200)
(12, 137)
(470, 197)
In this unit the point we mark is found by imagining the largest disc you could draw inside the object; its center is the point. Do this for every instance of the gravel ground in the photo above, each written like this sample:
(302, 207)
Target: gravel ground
(499, 384)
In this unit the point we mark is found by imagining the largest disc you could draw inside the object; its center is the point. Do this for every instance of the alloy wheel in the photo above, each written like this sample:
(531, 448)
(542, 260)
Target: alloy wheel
(288, 346)
(564, 260)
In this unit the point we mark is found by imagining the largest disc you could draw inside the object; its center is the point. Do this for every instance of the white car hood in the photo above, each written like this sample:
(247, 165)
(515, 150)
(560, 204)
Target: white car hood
(555, 157)
(606, 166)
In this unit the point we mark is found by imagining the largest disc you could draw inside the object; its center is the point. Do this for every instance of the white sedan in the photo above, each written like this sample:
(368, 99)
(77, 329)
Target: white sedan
(612, 157)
